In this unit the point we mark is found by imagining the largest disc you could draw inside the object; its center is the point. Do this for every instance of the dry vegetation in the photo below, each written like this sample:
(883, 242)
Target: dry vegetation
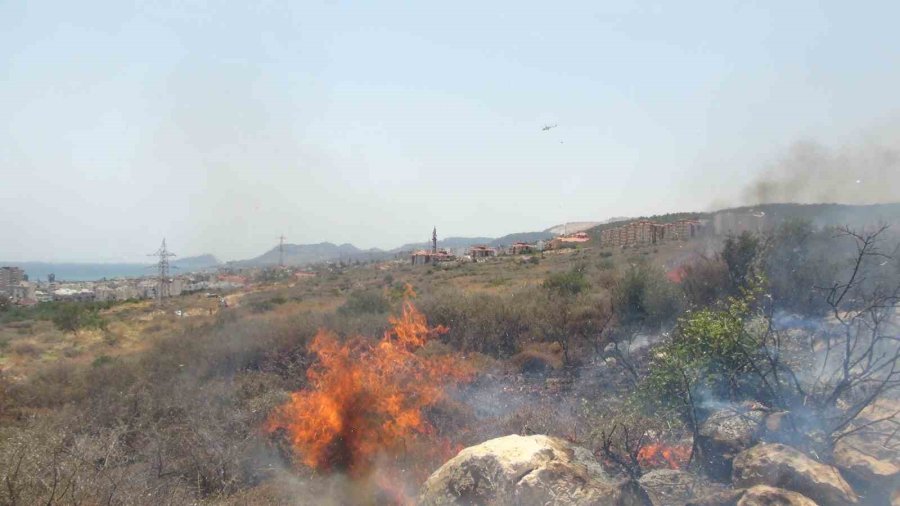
(157, 408)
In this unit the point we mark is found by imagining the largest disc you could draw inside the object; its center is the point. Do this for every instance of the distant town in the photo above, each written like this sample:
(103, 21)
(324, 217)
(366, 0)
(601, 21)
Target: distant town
(20, 289)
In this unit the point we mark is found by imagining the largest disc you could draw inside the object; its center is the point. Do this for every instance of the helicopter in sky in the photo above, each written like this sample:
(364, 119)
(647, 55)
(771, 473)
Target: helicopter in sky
(548, 127)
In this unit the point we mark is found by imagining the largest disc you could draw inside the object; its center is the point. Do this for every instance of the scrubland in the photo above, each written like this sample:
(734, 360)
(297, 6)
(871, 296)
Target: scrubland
(608, 348)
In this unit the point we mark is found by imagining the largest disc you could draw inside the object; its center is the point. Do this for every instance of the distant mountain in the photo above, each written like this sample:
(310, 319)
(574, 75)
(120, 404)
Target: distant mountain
(506, 240)
(305, 254)
(456, 243)
(450, 243)
(196, 263)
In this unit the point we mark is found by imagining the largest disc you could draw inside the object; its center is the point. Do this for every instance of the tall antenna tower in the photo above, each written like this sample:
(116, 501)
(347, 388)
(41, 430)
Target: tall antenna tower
(281, 250)
(162, 290)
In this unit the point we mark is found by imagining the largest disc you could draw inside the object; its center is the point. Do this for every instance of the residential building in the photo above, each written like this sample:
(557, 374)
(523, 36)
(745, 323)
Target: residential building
(10, 277)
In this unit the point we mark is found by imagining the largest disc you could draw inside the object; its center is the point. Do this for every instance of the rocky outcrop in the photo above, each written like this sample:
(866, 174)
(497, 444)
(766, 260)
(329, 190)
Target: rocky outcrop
(781, 466)
(764, 495)
(514, 470)
(759, 495)
(724, 498)
(675, 487)
(727, 432)
(866, 461)
(669, 487)
(867, 455)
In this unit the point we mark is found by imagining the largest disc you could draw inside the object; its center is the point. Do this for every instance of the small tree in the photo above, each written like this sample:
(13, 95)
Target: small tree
(72, 317)
(740, 254)
(560, 322)
(68, 318)
(565, 284)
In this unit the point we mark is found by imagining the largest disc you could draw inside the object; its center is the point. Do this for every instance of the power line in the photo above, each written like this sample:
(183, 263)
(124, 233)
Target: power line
(163, 288)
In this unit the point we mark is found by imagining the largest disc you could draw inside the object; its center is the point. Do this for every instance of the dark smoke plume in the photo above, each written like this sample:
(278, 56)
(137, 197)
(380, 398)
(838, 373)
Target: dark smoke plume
(811, 173)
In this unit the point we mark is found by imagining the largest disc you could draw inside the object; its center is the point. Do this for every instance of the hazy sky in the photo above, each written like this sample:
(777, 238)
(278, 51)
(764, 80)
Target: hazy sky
(222, 125)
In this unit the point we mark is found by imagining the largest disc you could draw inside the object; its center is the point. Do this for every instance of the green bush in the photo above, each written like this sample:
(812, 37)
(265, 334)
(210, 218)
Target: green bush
(571, 282)
(711, 353)
(741, 254)
(73, 316)
(365, 302)
(643, 296)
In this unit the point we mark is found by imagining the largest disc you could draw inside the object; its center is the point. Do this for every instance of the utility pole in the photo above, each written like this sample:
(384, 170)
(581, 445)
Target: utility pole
(162, 290)
(281, 250)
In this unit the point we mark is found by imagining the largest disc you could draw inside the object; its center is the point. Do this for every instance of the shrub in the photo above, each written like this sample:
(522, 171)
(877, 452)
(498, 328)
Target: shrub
(643, 296)
(26, 349)
(705, 282)
(365, 302)
(571, 282)
(101, 361)
(740, 254)
(73, 316)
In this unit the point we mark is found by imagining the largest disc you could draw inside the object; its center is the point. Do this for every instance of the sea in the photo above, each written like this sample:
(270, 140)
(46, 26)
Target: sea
(38, 271)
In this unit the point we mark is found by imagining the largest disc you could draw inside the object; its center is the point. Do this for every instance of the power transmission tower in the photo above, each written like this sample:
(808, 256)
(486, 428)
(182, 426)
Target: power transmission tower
(162, 290)
(281, 250)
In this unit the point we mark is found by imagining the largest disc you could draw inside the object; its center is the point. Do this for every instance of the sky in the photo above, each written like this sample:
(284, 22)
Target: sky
(222, 125)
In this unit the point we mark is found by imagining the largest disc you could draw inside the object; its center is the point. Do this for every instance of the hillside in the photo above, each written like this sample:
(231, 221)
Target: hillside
(197, 262)
(820, 215)
(305, 254)
(580, 226)
(452, 243)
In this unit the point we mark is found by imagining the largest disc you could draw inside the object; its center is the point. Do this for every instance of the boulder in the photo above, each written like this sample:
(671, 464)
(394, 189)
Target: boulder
(727, 432)
(867, 462)
(669, 487)
(724, 498)
(675, 487)
(764, 495)
(514, 470)
(781, 466)
(758, 495)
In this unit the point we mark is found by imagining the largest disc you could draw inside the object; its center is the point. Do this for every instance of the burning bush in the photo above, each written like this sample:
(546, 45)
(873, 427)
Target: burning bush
(366, 399)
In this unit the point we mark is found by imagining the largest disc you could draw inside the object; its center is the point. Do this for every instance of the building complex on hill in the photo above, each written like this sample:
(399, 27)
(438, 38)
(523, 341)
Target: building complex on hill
(643, 232)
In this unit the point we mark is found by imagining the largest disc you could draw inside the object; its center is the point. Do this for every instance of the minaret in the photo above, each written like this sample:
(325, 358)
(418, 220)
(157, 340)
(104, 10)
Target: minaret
(434, 240)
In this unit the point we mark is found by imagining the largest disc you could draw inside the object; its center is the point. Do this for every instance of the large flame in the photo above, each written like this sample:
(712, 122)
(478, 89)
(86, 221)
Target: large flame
(656, 455)
(366, 399)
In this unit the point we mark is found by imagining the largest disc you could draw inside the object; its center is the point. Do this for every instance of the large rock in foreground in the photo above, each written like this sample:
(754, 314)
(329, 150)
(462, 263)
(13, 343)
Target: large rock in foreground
(781, 466)
(764, 495)
(726, 433)
(866, 460)
(759, 495)
(674, 487)
(525, 470)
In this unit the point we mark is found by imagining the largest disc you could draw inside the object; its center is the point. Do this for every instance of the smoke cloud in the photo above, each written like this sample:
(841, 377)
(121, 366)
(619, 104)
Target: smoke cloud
(812, 173)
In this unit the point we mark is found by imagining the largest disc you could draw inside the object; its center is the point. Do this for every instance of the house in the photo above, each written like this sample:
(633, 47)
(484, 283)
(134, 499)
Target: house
(572, 239)
(522, 248)
(424, 257)
(480, 252)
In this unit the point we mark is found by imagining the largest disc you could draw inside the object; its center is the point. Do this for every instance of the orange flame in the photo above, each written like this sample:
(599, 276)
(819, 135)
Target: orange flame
(366, 399)
(656, 455)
